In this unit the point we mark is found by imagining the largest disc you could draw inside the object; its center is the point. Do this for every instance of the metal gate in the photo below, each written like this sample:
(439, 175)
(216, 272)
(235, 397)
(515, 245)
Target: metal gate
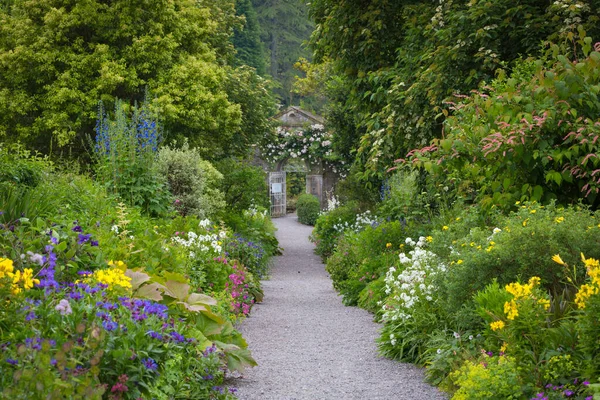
(314, 186)
(277, 192)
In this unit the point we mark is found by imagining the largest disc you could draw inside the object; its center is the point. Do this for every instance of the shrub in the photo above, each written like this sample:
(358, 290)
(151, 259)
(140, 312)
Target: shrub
(363, 257)
(490, 378)
(331, 225)
(518, 248)
(244, 185)
(193, 182)
(308, 208)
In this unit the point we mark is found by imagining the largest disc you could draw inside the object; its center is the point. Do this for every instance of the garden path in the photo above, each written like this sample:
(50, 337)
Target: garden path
(308, 345)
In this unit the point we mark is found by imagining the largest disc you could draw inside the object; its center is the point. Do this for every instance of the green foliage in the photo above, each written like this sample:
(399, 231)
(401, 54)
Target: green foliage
(392, 65)
(528, 136)
(308, 208)
(364, 257)
(520, 249)
(125, 153)
(246, 39)
(492, 378)
(193, 182)
(330, 226)
(243, 185)
(19, 167)
(285, 27)
(60, 59)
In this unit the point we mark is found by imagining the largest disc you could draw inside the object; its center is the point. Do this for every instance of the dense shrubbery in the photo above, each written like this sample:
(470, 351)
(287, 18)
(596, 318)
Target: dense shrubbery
(308, 208)
(497, 276)
(100, 293)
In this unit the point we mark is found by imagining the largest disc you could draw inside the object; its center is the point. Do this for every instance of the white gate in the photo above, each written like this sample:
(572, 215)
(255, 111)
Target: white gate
(277, 191)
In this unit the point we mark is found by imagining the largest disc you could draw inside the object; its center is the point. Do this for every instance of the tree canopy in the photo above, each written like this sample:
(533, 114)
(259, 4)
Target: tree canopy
(59, 58)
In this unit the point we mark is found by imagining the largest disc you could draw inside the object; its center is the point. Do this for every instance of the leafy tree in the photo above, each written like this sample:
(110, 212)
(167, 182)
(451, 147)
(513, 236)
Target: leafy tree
(246, 39)
(285, 26)
(59, 58)
(394, 63)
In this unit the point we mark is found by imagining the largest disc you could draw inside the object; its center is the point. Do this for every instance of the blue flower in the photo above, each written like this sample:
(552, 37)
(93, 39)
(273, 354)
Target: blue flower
(149, 363)
(110, 325)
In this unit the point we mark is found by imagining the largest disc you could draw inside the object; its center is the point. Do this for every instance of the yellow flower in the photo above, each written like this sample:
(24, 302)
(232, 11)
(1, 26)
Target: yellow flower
(457, 218)
(559, 220)
(525, 222)
(532, 211)
(6, 268)
(119, 264)
(472, 244)
(503, 347)
(401, 245)
(545, 303)
(497, 325)
(534, 281)
(429, 239)
(517, 203)
(489, 249)
(459, 262)
(112, 277)
(510, 309)
(556, 258)
(388, 245)
(479, 247)
(445, 228)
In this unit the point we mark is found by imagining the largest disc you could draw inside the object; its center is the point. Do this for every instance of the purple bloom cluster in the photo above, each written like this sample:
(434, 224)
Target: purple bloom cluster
(46, 274)
(141, 309)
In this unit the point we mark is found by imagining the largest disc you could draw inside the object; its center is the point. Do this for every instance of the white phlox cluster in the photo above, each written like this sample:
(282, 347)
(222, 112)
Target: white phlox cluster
(209, 242)
(362, 220)
(413, 284)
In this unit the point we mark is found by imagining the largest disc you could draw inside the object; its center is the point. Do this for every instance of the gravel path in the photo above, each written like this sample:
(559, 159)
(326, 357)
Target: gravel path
(308, 345)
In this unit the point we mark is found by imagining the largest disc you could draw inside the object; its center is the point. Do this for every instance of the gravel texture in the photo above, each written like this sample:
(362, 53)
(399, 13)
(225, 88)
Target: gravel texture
(309, 345)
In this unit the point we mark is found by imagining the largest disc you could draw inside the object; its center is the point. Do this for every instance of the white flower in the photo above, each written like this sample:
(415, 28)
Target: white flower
(115, 229)
(204, 223)
(496, 230)
(439, 351)
(456, 335)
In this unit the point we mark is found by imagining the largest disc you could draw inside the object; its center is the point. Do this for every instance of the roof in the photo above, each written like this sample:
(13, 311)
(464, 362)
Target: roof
(295, 116)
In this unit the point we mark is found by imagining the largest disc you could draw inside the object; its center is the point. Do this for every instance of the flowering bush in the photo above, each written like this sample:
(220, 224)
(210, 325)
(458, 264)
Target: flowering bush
(364, 257)
(412, 307)
(313, 144)
(330, 226)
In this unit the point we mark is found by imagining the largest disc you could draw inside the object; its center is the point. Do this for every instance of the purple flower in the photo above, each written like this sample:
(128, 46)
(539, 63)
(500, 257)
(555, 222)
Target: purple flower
(149, 363)
(585, 383)
(110, 325)
(177, 337)
(568, 393)
(54, 240)
(84, 273)
(77, 228)
(31, 315)
(83, 238)
(155, 335)
(12, 361)
(94, 243)
(208, 377)
(53, 361)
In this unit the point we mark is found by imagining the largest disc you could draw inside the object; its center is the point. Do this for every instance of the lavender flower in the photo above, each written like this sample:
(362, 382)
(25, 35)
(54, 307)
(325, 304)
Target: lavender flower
(64, 307)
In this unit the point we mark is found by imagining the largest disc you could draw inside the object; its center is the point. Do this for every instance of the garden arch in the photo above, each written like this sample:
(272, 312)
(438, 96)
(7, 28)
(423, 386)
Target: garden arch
(301, 140)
